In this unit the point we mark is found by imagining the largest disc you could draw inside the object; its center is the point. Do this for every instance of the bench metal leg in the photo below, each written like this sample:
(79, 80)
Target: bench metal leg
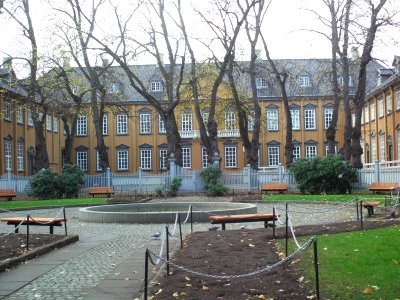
(51, 229)
(16, 228)
(223, 226)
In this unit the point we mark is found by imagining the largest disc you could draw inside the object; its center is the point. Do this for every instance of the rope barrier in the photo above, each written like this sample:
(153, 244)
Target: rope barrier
(15, 228)
(277, 217)
(227, 277)
(188, 214)
(292, 230)
(176, 222)
(48, 222)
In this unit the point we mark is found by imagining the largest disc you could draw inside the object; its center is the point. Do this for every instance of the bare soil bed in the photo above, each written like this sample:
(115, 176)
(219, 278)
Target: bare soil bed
(233, 252)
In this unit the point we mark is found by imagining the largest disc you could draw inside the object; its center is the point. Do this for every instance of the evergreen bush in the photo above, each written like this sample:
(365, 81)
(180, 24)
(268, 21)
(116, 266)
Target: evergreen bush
(174, 186)
(44, 185)
(70, 181)
(330, 174)
(212, 181)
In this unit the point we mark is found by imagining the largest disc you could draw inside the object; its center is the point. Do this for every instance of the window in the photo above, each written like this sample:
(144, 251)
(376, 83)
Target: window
(82, 160)
(145, 159)
(366, 114)
(105, 124)
(49, 122)
(363, 148)
(156, 86)
(353, 119)
(187, 122)
(186, 158)
(372, 111)
(328, 112)
(327, 149)
(398, 144)
(81, 125)
(296, 152)
(388, 104)
(163, 158)
(8, 155)
(261, 83)
(250, 123)
(30, 120)
(114, 88)
(55, 124)
(273, 155)
(20, 115)
(122, 124)
(205, 118)
(145, 123)
(230, 120)
(161, 124)
(7, 111)
(272, 119)
(204, 158)
(122, 159)
(350, 80)
(311, 151)
(380, 108)
(398, 99)
(20, 156)
(75, 89)
(382, 153)
(304, 81)
(230, 157)
(373, 148)
(98, 165)
(309, 119)
(295, 114)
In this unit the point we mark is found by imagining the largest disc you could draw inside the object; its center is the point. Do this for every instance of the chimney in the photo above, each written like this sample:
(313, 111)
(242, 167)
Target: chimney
(7, 63)
(355, 55)
(258, 54)
(396, 64)
(66, 62)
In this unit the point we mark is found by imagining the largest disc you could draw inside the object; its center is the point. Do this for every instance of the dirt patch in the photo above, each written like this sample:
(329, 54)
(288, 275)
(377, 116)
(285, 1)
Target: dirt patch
(233, 252)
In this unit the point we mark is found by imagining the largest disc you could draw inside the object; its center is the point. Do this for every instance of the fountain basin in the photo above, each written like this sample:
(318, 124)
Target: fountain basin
(159, 213)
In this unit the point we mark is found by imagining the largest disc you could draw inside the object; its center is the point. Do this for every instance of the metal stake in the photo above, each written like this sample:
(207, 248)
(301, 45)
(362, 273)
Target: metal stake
(358, 215)
(287, 230)
(316, 268)
(273, 222)
(191, 219)
(65, 221)
(27, 232)
(361, 216)
(180, 229)
(146, 273)
(167, 254)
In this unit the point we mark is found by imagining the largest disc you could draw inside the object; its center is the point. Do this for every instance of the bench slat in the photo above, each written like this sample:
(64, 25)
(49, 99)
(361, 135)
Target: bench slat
(241, 218)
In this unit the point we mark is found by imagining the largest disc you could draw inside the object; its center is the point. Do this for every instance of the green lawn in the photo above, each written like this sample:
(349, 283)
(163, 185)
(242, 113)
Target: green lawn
(357, 262)
(326, 198)
(53, 202)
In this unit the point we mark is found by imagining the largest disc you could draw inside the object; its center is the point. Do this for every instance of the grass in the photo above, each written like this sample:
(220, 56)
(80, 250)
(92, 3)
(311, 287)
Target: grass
(52, 202)
(323, 198)
(358, 265)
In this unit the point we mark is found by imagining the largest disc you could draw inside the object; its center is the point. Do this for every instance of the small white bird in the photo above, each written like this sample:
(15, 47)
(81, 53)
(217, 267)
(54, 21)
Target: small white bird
(213, 228)
(156, 235)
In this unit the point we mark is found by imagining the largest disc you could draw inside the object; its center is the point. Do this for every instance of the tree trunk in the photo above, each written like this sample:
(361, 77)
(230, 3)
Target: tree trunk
(41, 157)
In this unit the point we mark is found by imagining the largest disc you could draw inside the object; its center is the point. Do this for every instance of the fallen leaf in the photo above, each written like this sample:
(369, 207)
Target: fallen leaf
(356, 250)
(395, 261)
(311, 297)
(183, 294)
(375, 287)
(301, 279)
(158, 292)
(251, 245)
(188, 285)
(368, 290)
(126, 278)
(187, 278)
(205, 288)
(261, 297)
(326, 248)
(175, 294)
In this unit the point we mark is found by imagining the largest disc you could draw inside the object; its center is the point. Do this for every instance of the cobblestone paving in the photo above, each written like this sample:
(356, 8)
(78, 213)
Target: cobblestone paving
(72, 279)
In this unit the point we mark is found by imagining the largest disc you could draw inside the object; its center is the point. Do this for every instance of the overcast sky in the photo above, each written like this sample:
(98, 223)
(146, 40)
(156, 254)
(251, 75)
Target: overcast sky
(283, 28)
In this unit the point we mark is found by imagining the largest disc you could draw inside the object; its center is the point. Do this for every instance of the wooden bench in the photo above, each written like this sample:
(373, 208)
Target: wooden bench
(274, 187)
(370, 206)
(383, 187)
(101, 190)
(242, 218)
(51, 222)
(9, 194)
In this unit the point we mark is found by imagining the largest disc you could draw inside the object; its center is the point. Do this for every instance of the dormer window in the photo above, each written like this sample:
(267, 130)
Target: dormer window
(114, 88)
(261, 83)
(304, 80)
(156, 86)
(75, 89)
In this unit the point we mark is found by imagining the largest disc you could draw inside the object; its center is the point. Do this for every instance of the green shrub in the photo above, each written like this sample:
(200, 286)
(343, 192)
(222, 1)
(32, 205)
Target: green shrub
(330, 174)
(174, 186)
(70, 181)
(159, 191)
(212, 181)
(44, 185)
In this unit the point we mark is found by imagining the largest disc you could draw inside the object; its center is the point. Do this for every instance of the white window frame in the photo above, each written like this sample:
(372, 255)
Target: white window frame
(328, 113)
(20, 115)
(163, 158)
(161, 125)
(230, 120)
(311, 151)
(122, 159)
(145, 123)
(250, 123)
(81, 126)
(55, 124)
(156, 86)
(204, 158)
(187, 122)
(327, 149)
(366, 114)
(296, 152)
(122, 124)
(7, 111)
(388, 104)
(49, 122)
(382, 150)
(380, 108)
(20, 156)
(205, 118)
(353, 119)
(30, 119)
(304, 81)
(310, 119)
(398, 144)
(230, 157)
(373, 149)
(145, 159)
(186, 157)
(104, 125)
(8, 160)
(398, 99)
(372, 111)
(295, 115)
(98, 166)
(261, 83)
(114, 88)
(273, 155)
(272, 119)
(82, 160)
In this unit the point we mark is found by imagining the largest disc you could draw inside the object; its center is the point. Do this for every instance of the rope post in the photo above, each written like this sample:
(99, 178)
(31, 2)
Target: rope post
(273, 222)
(180, 229)
(191, 219)
(316, 268)
(27, 232)
(65, 221)
(358, 215)
(361, 216)
(233, 195)
(146, 273)
(167, 254)
(287, 230)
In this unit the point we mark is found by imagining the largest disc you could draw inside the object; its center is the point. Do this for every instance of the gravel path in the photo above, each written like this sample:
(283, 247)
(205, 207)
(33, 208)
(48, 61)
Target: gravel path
(119, 241)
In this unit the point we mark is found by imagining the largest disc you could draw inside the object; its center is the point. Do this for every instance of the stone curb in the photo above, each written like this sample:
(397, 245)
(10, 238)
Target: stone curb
(37, 252)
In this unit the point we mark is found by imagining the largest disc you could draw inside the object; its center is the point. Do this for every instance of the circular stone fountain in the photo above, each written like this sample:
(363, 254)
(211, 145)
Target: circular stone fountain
(161, 212)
